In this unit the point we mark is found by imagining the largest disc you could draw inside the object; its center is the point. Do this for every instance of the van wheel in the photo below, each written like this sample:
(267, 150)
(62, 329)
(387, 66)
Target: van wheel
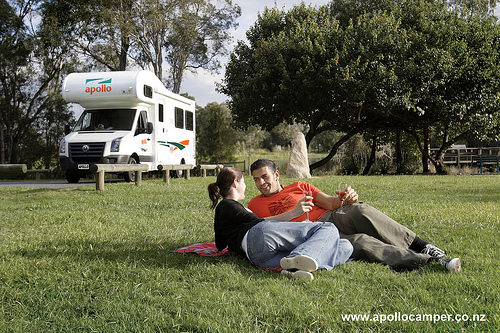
(130, 176)
(72, 178)
(177, 173)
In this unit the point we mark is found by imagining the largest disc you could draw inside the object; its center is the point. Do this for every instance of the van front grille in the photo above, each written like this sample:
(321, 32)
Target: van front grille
(86, 152)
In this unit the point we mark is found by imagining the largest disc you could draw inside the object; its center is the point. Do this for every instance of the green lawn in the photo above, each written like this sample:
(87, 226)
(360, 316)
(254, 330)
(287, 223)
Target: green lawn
(79, 260)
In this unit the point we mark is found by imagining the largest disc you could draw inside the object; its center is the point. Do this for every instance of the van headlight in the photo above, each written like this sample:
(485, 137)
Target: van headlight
(115, 145)
(62, 146)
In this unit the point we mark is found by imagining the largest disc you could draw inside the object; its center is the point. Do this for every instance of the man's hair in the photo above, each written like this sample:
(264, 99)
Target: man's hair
(263, 162)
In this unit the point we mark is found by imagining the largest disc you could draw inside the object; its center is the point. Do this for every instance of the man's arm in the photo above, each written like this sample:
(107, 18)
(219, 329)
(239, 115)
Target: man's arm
(329, 202)
(301, 208)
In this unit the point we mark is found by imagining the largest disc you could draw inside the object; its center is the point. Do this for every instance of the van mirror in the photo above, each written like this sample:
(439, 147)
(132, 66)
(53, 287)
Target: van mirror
(150, 128)
(67, 129)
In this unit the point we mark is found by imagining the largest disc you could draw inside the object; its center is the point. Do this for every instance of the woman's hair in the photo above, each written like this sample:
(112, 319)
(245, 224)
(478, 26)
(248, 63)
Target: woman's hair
(223, 184)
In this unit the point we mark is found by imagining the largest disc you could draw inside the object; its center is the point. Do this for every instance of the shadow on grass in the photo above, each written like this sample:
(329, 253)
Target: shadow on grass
(151, 255)
(144, 254)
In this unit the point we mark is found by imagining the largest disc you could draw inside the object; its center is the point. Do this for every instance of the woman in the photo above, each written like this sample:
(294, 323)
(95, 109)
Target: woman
(298, 248)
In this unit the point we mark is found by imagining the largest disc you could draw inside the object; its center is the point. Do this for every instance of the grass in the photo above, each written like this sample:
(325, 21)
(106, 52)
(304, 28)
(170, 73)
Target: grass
(78, 260)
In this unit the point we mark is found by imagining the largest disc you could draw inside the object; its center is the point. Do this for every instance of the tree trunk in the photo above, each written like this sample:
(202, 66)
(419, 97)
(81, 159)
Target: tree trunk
(2, 140)
(335, 147)
(438, 162)
(425, 156)
(371, 159)
(399, 156)
(125, 45)
(440, 167)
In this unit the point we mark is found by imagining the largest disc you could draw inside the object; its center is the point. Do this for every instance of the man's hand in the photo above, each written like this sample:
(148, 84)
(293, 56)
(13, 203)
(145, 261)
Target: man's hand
(350, 196)
(303, 206)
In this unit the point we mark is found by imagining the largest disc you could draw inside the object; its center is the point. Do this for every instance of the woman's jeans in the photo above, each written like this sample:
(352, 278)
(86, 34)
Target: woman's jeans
(269, 241)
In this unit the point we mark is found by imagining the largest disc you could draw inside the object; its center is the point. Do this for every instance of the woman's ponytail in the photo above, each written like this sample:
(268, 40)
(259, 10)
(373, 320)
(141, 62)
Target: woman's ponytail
(222, 186)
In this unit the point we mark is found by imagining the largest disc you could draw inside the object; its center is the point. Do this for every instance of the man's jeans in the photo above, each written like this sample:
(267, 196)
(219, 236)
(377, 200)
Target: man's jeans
(269, 241)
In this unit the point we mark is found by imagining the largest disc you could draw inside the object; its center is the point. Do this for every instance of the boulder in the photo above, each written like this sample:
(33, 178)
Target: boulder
(298, 162)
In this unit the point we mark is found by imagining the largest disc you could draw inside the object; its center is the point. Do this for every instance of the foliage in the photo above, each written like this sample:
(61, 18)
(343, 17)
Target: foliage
(79, 260)
(282, 135)
(367, 65)
(214, 134)
(199, 37)
(117, 35)
(32, 58)
(453, 75)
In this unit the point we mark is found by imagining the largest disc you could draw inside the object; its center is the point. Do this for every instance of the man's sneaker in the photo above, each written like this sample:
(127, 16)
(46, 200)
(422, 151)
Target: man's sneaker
(300, 262)
(453, 265)
(298, 274)
(433, 251)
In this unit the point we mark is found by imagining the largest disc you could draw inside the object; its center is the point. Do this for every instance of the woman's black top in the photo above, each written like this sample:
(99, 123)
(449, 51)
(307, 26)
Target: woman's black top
(231, 223)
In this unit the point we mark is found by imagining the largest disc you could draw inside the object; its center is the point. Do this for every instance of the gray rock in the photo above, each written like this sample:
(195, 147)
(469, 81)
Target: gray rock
(298, 162)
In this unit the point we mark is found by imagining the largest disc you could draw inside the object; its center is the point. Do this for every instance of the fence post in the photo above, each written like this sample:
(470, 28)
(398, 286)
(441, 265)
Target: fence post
(99, 184)
(138, 178)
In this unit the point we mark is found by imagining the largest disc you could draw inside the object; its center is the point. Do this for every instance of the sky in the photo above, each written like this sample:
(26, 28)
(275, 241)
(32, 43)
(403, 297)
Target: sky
(202, 86)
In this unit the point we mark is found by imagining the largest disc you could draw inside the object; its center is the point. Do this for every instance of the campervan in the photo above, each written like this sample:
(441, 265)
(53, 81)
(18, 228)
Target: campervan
(128, 117)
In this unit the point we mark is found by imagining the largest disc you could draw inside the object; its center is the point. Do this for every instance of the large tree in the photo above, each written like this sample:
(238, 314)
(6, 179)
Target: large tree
(32, 58)
(199, 37)
(304, 66)
(14, 51)
(388, 65)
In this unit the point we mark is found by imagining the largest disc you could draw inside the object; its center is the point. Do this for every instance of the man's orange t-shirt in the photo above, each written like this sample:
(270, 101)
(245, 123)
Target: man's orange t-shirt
(286, 200)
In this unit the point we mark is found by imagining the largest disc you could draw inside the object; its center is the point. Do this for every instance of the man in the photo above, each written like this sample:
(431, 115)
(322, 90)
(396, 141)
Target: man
(375, 236)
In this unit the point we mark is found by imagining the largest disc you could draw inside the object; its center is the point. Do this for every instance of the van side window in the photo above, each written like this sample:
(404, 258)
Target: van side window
(142, 122)
(148, 91)
(160, 113)
(179, 118)
(189, 120)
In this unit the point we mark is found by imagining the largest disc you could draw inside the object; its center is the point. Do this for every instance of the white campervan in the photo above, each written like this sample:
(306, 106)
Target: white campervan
(128, 117)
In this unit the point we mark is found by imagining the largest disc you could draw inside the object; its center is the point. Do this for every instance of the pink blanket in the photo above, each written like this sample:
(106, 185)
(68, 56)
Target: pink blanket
(203, 249)
(209, 250)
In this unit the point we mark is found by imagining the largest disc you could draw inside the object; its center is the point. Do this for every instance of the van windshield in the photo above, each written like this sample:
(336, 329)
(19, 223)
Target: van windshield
(106, 120)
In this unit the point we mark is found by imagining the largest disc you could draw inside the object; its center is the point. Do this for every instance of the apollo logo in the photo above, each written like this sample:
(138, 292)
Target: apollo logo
(97, 85)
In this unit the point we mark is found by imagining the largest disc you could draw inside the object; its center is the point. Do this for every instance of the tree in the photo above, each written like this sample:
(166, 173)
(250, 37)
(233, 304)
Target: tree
(365, 65)
(214, 134)
(188, 34)
(14, 51)
(282, 135)
(451, 76)
(199, 37)
(32, 58)
(304, 66)
(94, 31)
(118, 34)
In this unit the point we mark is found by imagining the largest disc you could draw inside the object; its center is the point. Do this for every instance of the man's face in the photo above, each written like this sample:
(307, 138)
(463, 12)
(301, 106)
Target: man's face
(267, 182)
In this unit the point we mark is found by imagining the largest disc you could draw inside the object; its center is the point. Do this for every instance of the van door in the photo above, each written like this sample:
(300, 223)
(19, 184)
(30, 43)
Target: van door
(161, 130)
(144, 138)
